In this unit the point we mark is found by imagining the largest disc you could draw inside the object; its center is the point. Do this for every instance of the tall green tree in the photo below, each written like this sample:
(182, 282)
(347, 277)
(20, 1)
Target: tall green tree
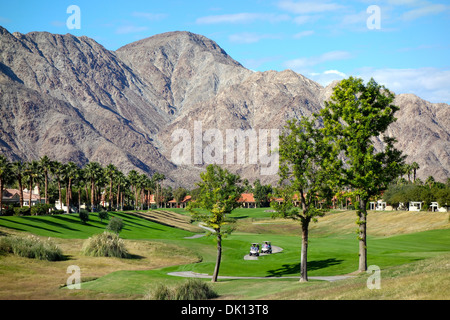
(58, 171)
(261, 193)
(93, 172)
(110, 173)
(353, 117)
(71, 173)
(5, 174)
(157, 178)
(133, 177)
(307, 168)
(46, 165)
(415, 166)
(18, 169)
(219, 194)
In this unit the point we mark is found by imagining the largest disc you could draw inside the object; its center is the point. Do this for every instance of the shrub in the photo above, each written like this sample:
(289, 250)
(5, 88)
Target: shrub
(23, 211)
(40, 209)
(8, 211)
(103, 215)
(84, 216)
(115, 225)
(192, 289)
(31, 247)
(106, 244)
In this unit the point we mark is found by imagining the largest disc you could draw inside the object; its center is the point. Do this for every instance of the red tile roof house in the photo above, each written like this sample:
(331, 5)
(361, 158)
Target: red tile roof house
(174, 204)
(247, 200)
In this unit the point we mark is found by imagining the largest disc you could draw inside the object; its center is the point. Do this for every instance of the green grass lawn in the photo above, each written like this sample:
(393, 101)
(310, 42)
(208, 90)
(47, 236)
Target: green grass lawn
(329, 253)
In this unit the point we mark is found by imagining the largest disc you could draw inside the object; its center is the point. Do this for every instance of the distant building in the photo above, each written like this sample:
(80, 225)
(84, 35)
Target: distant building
(11, 197)
(247, 200)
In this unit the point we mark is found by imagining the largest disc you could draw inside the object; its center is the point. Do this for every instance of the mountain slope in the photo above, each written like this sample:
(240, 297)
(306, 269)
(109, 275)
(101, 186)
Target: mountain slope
(70, 98)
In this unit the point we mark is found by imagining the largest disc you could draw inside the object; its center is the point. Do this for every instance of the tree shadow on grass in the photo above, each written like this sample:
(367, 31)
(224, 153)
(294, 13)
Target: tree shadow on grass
(294, 268)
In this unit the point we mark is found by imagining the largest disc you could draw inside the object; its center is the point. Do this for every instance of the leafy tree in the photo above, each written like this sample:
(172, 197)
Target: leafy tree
(179, 194)
(306, 174)
(84, 216)
(5, 174)
(261, 193)
(354, 115)
(115, 225)
(219, 194)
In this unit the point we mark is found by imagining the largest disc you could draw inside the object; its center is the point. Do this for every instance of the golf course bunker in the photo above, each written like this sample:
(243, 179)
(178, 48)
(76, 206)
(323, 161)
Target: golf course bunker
(275, 249)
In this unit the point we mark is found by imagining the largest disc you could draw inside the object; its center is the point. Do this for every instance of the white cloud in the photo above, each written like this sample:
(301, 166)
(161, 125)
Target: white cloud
(305, 19)
(242, 18)
(424, 11)
(150, 16)
(428, 83)
(130, 29)
(326, 77)
(250, 37)
(303, 34)
(302, 64)
(305, 7)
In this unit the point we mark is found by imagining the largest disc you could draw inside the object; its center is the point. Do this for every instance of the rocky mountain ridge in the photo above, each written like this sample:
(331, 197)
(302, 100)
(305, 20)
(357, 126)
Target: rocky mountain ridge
(71, 99)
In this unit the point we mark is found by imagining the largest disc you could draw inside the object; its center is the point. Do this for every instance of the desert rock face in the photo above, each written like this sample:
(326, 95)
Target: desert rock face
(71, 99)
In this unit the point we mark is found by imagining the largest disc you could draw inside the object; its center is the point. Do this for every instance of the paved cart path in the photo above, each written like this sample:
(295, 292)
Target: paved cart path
(190, 274)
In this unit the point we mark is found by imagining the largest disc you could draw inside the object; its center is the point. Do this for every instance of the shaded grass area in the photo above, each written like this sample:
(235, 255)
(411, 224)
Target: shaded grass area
(69, 226)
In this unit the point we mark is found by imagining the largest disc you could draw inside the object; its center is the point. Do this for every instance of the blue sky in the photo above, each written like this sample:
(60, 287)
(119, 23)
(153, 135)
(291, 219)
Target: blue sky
(403, 44)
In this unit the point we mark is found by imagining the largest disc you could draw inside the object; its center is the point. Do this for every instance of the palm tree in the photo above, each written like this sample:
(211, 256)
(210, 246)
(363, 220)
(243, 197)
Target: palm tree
(415, 166)
(71, 171)
(31, 173)
(18, 168)
(157, 177)
(58, 171)
(5, 174)
(430, 181)
(150, 186)
(121, 181)
(46, 165)
(408, 169)
(93, 172)
(133, 177)
(79, 181)
(110, 173)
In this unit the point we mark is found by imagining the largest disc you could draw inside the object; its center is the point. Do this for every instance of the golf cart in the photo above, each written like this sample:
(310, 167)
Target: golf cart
(266, 247)
(254, 250)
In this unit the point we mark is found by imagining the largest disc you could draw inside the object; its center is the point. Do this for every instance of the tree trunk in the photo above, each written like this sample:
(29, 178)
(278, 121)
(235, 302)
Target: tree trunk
(304, 254)
(92, 195)
(20, 191)
(1, 196)
(219, 256)
(29, 197)
(46, 186)
(362, 222)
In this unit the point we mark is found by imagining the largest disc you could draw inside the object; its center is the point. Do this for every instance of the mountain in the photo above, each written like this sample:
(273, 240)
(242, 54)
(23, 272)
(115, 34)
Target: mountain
(71, 99)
